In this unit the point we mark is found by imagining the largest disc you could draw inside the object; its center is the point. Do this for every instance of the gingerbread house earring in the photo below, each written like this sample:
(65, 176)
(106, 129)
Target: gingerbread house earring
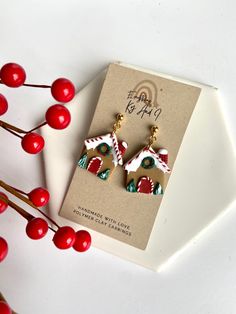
(101, 154)
(146, 170)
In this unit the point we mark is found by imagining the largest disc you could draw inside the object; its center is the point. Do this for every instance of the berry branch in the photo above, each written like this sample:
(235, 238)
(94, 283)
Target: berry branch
(11, 127)
(38, 127)
(13, 75)
(16, 207)
(12, 132)
(20, 195)
(64, 238)
(32, 85)
(36, 85)
(21, 211)
(58, 117)
(20, 191)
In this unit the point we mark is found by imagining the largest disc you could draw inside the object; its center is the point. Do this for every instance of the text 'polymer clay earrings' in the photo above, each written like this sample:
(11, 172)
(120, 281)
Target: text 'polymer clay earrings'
(146, 170)
(103, 153)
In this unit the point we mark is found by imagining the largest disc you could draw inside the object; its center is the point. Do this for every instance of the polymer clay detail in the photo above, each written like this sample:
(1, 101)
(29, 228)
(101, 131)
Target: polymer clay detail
(146, 171)
(102, 154)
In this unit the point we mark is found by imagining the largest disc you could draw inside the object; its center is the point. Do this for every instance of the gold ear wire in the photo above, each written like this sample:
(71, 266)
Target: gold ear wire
(153, 136)
(117, 124)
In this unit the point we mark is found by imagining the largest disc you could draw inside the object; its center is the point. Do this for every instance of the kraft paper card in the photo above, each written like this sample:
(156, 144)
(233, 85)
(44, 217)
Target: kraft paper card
(145, 100)
(199, 191)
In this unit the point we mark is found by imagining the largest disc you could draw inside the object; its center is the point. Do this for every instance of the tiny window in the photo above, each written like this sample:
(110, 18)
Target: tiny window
(148, 163)
(104, 149)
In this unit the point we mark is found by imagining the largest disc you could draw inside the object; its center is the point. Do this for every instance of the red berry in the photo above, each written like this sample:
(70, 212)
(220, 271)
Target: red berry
(32, 143)
(64, 238)
(3, 105)
(3, 204)
(36, 228)
(58, 117)
(63, 90)
(82, 241)
(12, 75)
(39, 197)
(3, 250)
(4, 308)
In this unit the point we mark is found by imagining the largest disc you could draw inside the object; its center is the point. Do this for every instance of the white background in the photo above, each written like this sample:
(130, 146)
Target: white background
(76, 39)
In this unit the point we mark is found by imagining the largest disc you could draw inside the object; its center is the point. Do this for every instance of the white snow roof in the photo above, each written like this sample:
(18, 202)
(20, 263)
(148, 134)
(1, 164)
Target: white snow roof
(111, 140)
(134, 163)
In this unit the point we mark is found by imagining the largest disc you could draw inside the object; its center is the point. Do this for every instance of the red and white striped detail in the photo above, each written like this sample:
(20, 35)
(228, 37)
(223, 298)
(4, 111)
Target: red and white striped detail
(135, 158)
(134, 163)
(94, 139)
(163, 154)
(145, 185)
(111, 140)
(116, 148)
(162, 162)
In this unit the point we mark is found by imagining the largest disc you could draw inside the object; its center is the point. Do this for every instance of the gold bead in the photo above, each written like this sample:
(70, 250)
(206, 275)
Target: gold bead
(120, 116)
(154, 129)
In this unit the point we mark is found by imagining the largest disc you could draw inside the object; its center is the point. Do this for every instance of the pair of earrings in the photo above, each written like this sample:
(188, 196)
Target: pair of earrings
(145, 170)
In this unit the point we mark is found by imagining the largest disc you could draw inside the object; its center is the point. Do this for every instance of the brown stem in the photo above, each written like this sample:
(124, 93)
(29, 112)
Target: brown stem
(37, 127)
(36, 85)
(33, 85)
(11, 127)
(17, 208)
(12, 132)
(20, 210)
(20, 191)
(18, 194)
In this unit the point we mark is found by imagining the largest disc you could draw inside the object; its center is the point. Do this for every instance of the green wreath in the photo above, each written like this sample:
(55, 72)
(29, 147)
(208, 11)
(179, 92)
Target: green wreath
(148, 163)
(104, 149)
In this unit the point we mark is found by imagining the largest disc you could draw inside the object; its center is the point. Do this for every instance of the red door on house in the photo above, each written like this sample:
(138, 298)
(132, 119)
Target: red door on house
(95, 165)
(145, 185)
